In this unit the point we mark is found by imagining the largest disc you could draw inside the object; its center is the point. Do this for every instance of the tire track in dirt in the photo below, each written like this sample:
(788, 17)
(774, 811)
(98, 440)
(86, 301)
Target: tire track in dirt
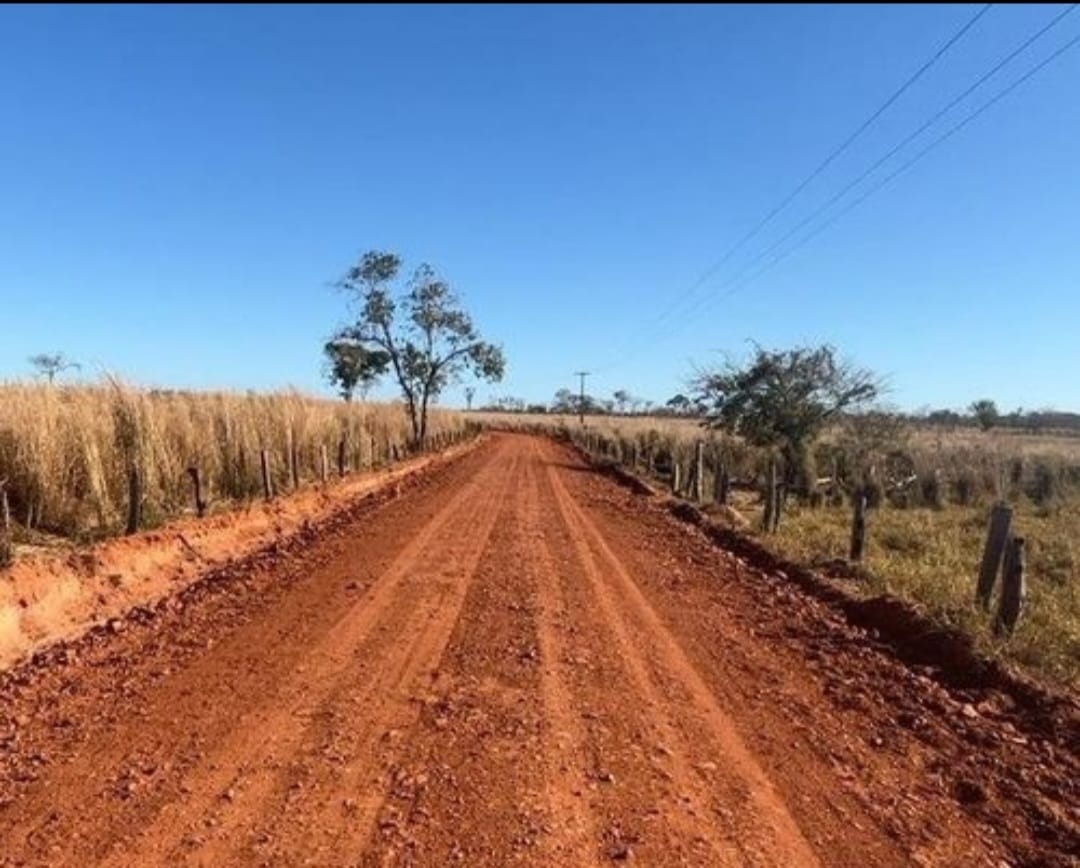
(575, 841)
(764, 831)
(854, 740)
(640, 790)
(398, 625)
(469, 786)
(134, 759)
(368, 738)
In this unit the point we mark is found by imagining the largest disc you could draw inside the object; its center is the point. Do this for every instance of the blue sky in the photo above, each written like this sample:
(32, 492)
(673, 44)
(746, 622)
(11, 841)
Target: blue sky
(179, 187)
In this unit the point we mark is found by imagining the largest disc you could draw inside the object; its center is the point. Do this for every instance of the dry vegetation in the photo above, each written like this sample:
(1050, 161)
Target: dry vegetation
(926, 538)
(66, 452)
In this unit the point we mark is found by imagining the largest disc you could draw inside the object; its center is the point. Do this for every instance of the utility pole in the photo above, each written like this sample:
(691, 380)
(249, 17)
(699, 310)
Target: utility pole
(581, 396)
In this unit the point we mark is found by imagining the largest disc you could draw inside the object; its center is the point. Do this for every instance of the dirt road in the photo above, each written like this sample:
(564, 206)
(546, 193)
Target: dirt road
(513, 661)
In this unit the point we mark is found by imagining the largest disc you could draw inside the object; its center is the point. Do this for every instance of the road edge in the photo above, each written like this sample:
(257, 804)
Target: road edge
(81, 582)
(906, 630)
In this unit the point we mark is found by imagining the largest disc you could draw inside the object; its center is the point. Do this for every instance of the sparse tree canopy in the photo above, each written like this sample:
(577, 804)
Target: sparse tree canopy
(565, 402)
(679, 404)
(51, 364)
(350, 365)
(875, 437)
(428, 339)
(985, 412)
(622, 400)
(783, 399)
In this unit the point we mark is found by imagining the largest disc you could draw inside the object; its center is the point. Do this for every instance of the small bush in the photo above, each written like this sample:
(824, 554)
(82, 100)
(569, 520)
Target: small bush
(1016, 472)
(931, 490)
(966, 488)
(1044, 486)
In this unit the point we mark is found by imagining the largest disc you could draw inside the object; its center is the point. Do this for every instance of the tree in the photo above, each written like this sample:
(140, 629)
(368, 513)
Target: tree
(565, 401)
(51, 364)
(948, 418)
(622, 400)
(874, 439)
(782, 400)
(510, 404)
(470, 393)
(985, 412)
(350, 365)
(679, 404)
(428, 338)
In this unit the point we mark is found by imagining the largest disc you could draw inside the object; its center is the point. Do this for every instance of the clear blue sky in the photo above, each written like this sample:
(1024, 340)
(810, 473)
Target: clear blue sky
(179, 186)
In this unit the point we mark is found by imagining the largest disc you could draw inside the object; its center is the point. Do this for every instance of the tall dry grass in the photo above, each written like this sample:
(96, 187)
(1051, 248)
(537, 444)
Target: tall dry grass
(957, 466)
(66, 451)
(925, 539)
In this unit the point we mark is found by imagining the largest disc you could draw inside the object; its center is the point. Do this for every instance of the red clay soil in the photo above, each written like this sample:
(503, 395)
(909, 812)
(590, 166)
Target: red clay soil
(513, 660)
(59, 593)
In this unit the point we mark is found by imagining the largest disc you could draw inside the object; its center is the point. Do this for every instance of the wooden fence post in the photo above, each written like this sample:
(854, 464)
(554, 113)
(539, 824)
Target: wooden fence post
(699, 471)
(196, 484)
(997, 536)
(768, 519)
(858, 526)
(721, 485)
(268, 483)
(675, 468)
(134, 516)
(294, 463)
(1013, 589)
(324, 463)
(7, 546)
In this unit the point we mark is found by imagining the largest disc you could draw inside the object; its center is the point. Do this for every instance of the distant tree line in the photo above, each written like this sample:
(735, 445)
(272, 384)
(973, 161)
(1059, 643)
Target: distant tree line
(985, 415)
(621, 403)
(982, 414)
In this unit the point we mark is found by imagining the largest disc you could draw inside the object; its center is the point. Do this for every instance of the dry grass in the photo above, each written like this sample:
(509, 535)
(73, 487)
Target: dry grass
(917, 552)
(1002, 442)
(1005, 441)
(66, 451)
(932, 556)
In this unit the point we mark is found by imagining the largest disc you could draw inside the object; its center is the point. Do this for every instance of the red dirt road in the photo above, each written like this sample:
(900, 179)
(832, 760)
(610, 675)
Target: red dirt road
(514, 661)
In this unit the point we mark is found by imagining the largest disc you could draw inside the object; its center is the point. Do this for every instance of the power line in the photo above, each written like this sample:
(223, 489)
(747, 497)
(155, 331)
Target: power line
(903, 143)
(1072, 43)
(824, 164)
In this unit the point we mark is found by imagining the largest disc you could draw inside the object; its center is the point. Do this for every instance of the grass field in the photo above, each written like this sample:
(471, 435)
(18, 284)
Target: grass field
(67, 452)
(927, 552)
(998, 441)
(931, 556)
